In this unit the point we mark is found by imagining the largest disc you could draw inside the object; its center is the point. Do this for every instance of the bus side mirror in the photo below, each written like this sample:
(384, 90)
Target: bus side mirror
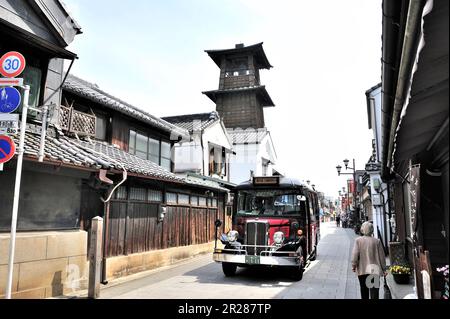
(218, 223)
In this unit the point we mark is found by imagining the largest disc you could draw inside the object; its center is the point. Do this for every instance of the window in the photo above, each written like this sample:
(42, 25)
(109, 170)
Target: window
(270, 202)
(171, 198)
(138, 193)
(202, 201)
(194, 200)
(183, 199)
(153, 147)
(141, 146)
(214, 202)
(149, 148)
(100, 127)
(121, 192)
(165, 155)
(312, 209)
(154, 196)
(217, 161)
(132, 143)
(33, 77)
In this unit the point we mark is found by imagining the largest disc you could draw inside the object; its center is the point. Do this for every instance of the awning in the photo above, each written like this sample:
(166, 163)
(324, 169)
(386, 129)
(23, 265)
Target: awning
(10, 31)
(426, 111)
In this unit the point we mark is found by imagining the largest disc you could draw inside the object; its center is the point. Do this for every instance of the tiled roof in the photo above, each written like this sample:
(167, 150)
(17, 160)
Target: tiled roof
(92, 92)
(256, 49)
(251, 136)
(98, 155)
(204, 183)
(79, 153)
(130, 162)
(194, 122)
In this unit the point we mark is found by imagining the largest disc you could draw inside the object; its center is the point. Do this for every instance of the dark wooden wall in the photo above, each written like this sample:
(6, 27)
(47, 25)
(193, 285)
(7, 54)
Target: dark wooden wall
(134, 226)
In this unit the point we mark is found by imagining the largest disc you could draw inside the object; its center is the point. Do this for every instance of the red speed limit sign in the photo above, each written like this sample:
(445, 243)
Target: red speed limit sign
(12, 64)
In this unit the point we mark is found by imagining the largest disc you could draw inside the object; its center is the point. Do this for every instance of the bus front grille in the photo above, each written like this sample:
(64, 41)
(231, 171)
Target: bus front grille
(256, 234)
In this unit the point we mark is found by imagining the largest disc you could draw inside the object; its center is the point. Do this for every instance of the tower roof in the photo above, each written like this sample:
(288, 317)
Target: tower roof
(260, 91)
(256, 49)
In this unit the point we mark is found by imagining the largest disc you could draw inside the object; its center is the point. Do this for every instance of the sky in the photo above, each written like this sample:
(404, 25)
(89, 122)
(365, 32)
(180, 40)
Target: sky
(325, 54)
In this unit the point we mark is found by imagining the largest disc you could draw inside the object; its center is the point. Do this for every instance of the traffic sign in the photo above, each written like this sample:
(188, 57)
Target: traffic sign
(7, 148)
(11, 82)
(9, 99)
(9, 123)
(12, 64)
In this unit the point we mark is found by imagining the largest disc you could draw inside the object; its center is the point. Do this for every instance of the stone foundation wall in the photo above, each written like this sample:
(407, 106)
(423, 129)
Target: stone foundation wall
(46, 264)
(126, 265)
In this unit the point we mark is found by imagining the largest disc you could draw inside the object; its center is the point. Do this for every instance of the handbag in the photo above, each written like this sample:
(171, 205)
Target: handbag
(387, 290)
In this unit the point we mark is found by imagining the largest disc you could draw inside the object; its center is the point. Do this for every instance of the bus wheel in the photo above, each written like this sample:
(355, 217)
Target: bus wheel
(229, 269)
(297, 273)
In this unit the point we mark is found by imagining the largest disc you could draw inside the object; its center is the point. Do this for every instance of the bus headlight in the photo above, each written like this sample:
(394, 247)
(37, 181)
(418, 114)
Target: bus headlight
(232, 236)
(278, 238)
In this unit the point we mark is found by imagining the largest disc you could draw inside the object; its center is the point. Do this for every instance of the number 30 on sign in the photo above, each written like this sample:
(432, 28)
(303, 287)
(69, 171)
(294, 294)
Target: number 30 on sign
(12, 64)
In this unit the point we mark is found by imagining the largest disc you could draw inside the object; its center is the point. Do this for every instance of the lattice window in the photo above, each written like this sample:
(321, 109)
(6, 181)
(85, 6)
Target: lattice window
(82, 123)
(64, 117)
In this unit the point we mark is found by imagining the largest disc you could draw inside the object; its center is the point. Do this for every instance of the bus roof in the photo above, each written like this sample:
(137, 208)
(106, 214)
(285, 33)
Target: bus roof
(285, 182)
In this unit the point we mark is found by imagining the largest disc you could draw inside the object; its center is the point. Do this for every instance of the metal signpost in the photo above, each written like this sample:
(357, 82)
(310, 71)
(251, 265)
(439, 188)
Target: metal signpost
(12, 64)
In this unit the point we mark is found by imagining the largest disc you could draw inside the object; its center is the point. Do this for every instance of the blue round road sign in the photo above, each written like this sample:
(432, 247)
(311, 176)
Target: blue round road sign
(7, 148)
(9, 99)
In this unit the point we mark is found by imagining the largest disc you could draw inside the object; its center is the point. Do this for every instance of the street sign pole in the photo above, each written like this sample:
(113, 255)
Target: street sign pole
(20, 151)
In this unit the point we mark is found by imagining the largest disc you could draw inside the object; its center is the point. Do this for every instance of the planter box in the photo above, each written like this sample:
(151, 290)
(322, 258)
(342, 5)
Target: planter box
(401, 279)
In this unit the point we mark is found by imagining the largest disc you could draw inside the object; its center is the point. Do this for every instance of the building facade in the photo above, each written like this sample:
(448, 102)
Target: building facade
(414, 134)
(209, 148)
(102, 157)
(382, 214)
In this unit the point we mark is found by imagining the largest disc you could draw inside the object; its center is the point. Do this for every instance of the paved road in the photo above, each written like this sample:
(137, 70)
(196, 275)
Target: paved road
(328, 277)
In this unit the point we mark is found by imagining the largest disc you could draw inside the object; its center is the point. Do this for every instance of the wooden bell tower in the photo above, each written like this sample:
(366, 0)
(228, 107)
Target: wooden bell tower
(240, 98)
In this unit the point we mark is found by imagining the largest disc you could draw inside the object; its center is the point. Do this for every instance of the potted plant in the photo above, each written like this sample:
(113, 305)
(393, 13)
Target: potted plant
(400, 273)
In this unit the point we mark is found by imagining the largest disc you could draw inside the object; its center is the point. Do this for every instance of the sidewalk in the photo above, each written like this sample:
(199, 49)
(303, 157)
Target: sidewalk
(330, 276)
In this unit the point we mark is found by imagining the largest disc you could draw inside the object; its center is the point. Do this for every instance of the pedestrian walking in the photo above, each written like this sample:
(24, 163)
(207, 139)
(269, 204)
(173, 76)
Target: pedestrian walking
(338, 221)
(368, 261)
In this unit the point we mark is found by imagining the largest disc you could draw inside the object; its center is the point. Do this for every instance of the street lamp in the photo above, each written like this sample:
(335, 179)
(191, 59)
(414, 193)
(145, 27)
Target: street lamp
(339, 168)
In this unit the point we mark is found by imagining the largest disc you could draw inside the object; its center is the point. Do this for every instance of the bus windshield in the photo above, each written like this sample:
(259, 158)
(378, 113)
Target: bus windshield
(270, 203)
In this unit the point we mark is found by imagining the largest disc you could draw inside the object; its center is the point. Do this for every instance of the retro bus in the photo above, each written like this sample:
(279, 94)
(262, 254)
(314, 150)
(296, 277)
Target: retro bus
(275, 223)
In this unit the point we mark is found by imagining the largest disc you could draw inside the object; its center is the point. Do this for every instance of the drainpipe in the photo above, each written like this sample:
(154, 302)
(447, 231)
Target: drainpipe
(408, 55)
(107, 206)
(43, 134)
